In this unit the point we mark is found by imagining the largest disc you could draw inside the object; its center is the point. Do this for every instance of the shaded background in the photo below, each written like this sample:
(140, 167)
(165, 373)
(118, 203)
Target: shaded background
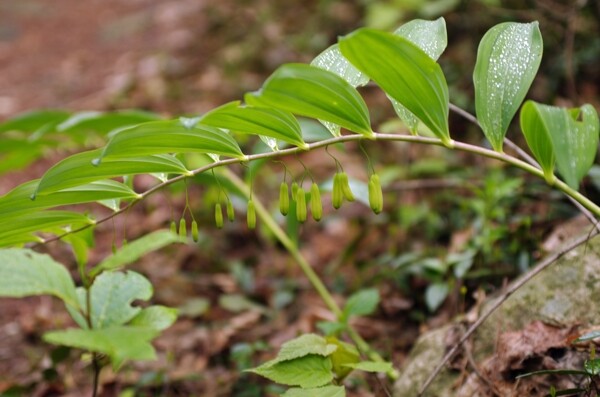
(188, 56)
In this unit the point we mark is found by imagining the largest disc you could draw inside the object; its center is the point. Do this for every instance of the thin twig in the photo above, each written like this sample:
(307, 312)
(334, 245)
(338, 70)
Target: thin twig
(500, 300)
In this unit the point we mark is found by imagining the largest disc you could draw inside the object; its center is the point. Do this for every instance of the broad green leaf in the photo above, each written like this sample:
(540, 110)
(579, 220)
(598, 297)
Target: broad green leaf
(25, 273)
(269, 122)
(156, 317)
(304, 345)
(136, 249)
(78, 169)
(429, 36)
(592, 367)
(331, 327)
(308, 371)
(534, 119)
(103, 123)
(18, 201)
(405, 72)
(361, 303)
(41, 221)
(325, 391)
(343, 355)
(332, 60)
(567, 136)
(508, 59)
(162, 137)
(35, 121)
(313, 92)
(371, 366)
(119, 343)
(111, 296)
(435, 295)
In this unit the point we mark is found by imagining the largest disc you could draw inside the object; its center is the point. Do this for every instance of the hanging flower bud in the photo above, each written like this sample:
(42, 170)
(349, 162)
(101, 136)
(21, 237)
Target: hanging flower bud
(284, 199)
(230, 211)
(182, 228)
(344, 182)
(375, 194)
(195, 234)
(173, 227)
(316, 206)
(337, 195)
(294, 190)
(301, 212)
(251, 215)
(218, 215)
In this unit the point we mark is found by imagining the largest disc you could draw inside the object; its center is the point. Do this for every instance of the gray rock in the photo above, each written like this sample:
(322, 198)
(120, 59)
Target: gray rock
(563, 295)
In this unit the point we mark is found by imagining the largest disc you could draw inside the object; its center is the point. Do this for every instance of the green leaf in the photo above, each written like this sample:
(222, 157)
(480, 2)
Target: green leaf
(119, 343)
(435, 295)
(308, 371)
(35, 121)
(313, 92)
(553, 372)
(270, 122)
(25, 273)
(326, 391)
(103, 123)
(111, 296)
(405, 72)
(18, 201)
(78, 169)
(344, 354)
(371, 366)
(304, 345)
(508, 58)
(332, 60)
(156, 317)
(361, 303)
(136, 249)
(162, 137)
(592, 367)
(557, 134)
(41, 221)
(429, 36)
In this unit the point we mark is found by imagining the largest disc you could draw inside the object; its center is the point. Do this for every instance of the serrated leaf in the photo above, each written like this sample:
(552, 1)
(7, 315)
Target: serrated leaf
(508, 59)
(313, 92)
(156, 317)
(78, 169)
(25, 273)
(557, 135)
(306, 372)
(119, 343)
(304, 345)
(163, 137)
(431, 37)
(41, 221)
(435, 295)
(111, 296)
(362, 303)
(18, 201)
(34, 121)
(268, 122)
(371, 366)
(405, 72)
(136, 249)
(326, 391)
